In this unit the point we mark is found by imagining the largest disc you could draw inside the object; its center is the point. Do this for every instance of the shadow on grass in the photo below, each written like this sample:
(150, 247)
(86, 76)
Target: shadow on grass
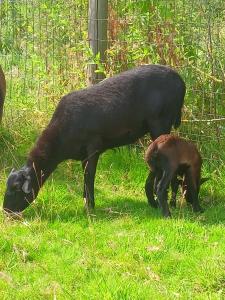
(121, 207)
(213, 214)
(14, 145)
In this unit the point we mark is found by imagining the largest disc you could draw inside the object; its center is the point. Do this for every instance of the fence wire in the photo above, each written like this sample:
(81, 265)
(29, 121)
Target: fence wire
(45, 50)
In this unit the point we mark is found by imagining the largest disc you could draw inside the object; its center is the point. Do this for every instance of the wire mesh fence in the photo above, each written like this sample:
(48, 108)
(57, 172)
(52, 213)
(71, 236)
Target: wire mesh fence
(45, 51)
(187, 35)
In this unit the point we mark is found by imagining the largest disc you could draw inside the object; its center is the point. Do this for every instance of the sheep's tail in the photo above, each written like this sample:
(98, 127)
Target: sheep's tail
(177, 120)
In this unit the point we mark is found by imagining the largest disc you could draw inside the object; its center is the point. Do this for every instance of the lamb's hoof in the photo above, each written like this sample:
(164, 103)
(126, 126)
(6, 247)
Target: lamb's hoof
(198, 209)
(173, 204)
(167, 215)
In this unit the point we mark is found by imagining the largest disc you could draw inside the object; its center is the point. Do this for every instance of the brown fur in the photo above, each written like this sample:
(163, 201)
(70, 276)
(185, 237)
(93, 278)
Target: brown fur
(171, 156)
(179, 152)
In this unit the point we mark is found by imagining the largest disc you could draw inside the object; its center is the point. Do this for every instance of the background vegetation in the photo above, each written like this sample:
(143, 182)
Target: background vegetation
(125, 250)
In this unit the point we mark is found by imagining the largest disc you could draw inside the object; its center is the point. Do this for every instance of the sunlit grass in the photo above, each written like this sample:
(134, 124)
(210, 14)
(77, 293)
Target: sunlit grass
(122, 250)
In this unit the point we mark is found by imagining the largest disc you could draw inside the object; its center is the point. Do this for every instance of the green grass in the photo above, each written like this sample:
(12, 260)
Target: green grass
(124, 249)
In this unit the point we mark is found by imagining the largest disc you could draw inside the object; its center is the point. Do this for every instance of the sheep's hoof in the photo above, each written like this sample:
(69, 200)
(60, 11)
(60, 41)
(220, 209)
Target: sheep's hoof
(13, 215)
(153, 203)
(89, 205)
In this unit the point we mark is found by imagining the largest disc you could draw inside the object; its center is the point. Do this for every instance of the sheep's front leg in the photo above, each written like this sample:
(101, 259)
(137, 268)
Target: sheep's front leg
(89, 167)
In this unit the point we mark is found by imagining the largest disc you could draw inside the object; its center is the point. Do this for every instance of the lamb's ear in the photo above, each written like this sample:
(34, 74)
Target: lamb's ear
(203, 180)
(26, 187)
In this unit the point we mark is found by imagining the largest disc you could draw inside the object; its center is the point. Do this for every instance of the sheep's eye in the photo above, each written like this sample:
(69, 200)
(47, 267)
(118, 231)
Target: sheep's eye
(15, 186)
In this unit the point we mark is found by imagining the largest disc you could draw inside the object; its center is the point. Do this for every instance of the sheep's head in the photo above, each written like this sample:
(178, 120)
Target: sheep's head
(19, 191)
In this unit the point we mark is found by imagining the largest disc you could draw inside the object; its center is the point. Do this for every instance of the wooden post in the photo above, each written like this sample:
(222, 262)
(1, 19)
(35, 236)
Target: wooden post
(97, 35)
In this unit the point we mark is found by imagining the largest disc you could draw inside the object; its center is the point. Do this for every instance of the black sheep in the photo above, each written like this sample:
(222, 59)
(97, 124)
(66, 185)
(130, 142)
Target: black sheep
(115, 112)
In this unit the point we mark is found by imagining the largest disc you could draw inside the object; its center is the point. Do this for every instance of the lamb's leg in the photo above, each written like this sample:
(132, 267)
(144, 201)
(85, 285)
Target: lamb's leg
(149, 189)
(192, 192)
(89, 166)
(162, 192)
(175, 182)
(158, 176)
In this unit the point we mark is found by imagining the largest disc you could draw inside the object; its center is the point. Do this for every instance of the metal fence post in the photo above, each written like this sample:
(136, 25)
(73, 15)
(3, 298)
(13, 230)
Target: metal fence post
(97, 35)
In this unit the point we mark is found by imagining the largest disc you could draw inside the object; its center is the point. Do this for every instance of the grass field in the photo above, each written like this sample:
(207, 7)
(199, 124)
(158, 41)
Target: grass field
(124, 249)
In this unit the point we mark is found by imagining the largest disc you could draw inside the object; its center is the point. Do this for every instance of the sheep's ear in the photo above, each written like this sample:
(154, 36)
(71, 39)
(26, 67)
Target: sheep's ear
(13, 170)
(26, 187)
(203, 180)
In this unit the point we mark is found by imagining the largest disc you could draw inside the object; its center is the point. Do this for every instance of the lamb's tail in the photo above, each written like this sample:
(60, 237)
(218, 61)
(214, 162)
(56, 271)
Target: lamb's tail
(151, 155)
